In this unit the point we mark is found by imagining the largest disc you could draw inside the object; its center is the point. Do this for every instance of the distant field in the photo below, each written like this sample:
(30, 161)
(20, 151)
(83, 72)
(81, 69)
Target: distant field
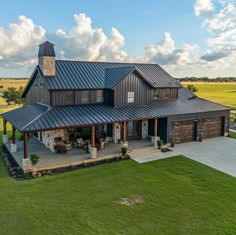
(224, 93)
(9, 83)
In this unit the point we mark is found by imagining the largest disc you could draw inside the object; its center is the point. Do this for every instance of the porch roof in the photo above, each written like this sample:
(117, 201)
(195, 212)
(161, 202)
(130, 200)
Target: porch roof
(38, 117)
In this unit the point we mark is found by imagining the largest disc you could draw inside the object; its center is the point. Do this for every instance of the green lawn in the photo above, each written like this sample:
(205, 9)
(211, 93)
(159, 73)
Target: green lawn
(173, 196)
(232, 135)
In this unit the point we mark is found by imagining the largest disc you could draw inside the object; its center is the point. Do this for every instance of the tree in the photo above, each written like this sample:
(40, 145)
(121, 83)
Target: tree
(13, 95)
(192, 88)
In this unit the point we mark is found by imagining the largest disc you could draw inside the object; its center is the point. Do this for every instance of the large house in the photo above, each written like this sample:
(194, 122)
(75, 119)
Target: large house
(79, 100)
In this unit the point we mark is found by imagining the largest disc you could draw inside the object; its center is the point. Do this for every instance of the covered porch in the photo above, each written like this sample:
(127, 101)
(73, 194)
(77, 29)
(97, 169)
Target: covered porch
(76, 156)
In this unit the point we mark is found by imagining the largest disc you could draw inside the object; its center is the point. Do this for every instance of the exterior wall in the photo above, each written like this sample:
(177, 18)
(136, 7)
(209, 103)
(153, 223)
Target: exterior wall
(38, 92)
(133, 82)
(58, 97)
(199, 117)
(48, 137)
(144, 129)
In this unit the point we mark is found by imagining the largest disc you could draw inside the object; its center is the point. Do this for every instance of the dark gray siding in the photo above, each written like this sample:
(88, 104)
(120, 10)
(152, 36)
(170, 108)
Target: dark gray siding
(58, 97)
(133, 82)
(38, 92)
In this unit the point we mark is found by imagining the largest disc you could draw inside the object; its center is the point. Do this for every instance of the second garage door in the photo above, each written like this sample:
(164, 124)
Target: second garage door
(212, 127)
(183, 131)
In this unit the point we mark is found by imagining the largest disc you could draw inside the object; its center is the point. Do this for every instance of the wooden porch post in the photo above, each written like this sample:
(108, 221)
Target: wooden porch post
(155, 127)
(125, 131)
(25, 145)
(93, 136)
(13, 135)
(4, 127)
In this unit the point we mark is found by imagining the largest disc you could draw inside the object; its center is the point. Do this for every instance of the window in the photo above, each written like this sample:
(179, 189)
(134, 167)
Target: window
(130, 96)
(156, 94)
(84, 97)
(99, 96)
(69, 97)
(130, 128)
(168, 92)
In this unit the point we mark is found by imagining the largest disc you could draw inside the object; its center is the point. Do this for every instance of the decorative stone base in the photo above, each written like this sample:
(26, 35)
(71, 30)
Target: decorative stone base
(93, 152)
(26, 164)
(13, 148)
(154, 140)
(4, 139)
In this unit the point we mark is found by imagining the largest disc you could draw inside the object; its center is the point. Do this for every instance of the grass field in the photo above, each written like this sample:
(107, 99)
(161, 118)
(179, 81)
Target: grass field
(224, 93)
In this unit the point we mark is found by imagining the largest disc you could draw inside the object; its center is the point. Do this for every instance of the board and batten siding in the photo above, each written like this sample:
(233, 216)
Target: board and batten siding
(37, 93)
(133, 82)
(58, 97)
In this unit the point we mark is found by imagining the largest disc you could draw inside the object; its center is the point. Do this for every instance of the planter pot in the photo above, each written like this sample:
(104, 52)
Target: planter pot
(68, 147)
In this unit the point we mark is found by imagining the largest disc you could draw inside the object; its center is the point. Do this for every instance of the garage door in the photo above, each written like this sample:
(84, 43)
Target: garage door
(212, 127)
(183, 131)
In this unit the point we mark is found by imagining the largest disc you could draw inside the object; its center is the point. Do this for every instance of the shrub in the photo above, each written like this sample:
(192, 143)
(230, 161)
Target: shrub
(124, 150)
(192, 88)
(34, 159)
(159, 143)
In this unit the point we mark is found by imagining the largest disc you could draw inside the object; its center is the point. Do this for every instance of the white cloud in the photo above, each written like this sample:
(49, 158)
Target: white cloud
(88, 43)
(19, 43)
(165, 52)
(203, 7)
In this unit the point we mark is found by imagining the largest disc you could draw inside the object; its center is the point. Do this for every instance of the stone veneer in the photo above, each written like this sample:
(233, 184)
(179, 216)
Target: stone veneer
(116, 132)
(47, 65)
(48, 137)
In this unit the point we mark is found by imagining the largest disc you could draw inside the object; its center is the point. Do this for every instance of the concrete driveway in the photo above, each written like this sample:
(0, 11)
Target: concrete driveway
(218, 153)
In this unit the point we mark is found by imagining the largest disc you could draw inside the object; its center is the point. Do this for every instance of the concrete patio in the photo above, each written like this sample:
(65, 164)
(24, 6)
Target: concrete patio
(75, 156)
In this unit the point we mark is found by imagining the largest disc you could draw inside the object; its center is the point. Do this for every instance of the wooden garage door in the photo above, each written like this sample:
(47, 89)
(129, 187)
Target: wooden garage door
(212, 127)
(183, 131)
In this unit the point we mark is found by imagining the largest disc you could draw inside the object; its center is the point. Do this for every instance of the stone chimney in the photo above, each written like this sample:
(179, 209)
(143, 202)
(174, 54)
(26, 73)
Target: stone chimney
(46, 59)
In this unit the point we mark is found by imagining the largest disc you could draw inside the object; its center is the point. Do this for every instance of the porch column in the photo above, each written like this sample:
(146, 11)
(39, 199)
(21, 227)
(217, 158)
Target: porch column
(93, 149)
(26, 137)
(125, 131)
(26, 165)
(155, 127)
(4, 136)
(155, 138)
(13, 144)
(93, 136)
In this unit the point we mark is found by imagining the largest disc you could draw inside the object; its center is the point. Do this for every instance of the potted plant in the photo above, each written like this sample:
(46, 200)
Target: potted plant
(201, 137)
(159, 144)
(173, 142)
(124, 151)
(34, 158)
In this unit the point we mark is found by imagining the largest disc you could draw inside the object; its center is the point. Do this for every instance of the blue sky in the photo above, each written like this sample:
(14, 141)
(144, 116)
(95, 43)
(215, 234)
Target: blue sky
(178, 34)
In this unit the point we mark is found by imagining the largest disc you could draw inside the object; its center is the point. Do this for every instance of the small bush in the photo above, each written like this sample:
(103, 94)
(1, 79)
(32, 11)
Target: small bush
(124, 150)
(192, 88)
(34, 159)
(159, 143)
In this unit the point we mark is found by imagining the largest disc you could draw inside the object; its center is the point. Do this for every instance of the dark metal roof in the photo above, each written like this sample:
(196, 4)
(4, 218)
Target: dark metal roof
(46, 49)
(91, 75)
(81, 115)
(24, 116)
(114, 75)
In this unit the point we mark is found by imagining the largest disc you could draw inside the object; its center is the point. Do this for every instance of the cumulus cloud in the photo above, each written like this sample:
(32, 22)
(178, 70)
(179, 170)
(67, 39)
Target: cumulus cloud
(19, 43)
(203, 8)
(88, 43)
(166, 53)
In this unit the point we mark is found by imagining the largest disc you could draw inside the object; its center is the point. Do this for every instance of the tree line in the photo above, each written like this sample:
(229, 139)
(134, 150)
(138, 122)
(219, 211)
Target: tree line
(207, 79)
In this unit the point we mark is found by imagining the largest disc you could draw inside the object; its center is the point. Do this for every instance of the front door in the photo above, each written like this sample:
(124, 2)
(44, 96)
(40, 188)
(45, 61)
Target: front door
(134, 130)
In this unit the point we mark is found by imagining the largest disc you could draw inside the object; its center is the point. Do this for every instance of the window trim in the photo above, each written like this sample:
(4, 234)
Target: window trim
(130, 99)
(66, 97)
(101, 96)
(81, 97)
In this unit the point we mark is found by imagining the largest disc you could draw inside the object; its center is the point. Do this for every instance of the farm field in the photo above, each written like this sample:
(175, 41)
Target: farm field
(224, 93)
